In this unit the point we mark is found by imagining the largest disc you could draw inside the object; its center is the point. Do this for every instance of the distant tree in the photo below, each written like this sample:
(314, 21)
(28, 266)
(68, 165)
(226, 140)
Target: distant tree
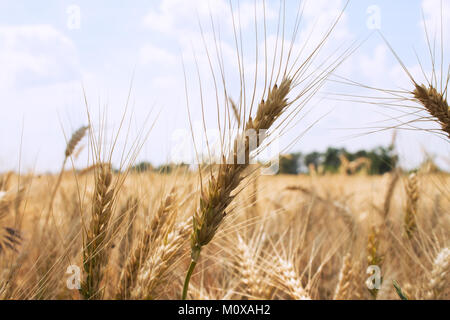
(313, 158)
(383, 160)
(164, 168)
(171, 167)
(289, 164)
(331, 160)
(142, 166)
(359, 154)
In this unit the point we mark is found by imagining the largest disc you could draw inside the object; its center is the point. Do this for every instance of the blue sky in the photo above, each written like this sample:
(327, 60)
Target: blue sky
(45, 63)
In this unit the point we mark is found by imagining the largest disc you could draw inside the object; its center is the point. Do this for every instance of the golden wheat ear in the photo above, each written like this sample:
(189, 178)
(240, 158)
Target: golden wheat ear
(248, 264)
(287, 278)
(437, 286)
(156, 233)
(343, 289)
(74, 140)
(216, 197)
(435, 103)
(95, 248)
(70, 147)
(156, 270)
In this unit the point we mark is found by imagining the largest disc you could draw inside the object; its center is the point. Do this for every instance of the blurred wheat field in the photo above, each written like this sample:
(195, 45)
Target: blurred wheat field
(286, 237)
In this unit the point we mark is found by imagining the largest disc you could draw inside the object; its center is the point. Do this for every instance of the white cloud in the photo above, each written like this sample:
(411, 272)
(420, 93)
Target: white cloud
(178, 16)
(437, 36)
(432, 13)
(40, 75)
(35, 55)
(172, 15)
(159, 21)
(152, 54)
(374, 67)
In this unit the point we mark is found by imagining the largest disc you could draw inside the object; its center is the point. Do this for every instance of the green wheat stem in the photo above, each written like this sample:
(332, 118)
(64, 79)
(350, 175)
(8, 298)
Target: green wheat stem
(188, 279)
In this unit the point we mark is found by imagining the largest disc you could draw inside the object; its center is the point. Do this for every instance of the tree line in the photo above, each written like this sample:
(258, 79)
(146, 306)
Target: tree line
(338, 160)
(375, 161)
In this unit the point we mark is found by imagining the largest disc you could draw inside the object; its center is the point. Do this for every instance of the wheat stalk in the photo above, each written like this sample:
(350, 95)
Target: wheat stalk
(130, 208)
(390, 193)
(400, 292)
(412, 194)
(374, 258)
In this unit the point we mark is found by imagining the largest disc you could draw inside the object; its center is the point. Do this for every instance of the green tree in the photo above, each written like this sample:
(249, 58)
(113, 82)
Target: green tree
(331, 160)
(383, 160)
(142, 166)
(289, 164)
(314, 158)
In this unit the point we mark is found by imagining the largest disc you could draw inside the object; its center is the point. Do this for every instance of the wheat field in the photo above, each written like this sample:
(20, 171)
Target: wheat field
(288, 237)
(225, 230)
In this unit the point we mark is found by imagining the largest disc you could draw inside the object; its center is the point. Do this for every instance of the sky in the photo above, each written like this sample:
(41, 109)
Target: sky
(52, 56)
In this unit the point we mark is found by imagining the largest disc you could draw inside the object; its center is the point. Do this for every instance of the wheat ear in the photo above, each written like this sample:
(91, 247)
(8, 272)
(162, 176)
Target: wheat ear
(74, 140)
(251, 276)
(161, 223)
(217, 196)
(70, 147)
(155, 271)
(95, 246)
(439, 279)
(346, 277)
(287, 278)
(435, 103)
